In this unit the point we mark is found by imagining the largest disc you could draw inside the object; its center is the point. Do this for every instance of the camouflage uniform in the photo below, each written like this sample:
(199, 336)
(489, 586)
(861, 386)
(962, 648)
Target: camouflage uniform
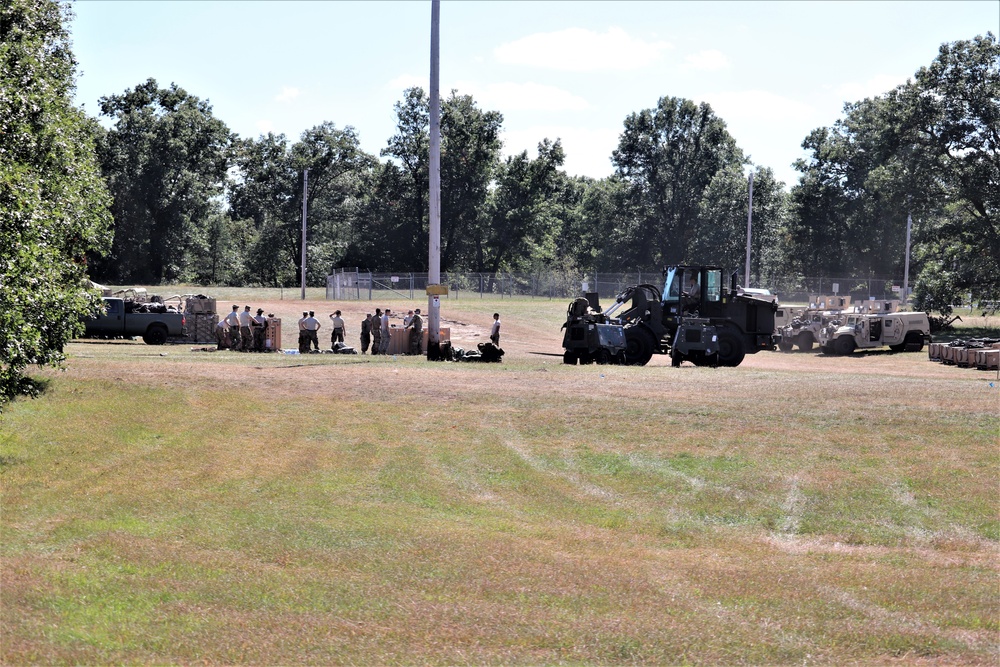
(366, 333)
(416, 328)
(376, 332)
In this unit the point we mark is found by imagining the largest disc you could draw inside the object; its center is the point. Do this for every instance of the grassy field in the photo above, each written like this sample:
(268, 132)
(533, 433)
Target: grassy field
(170, 505)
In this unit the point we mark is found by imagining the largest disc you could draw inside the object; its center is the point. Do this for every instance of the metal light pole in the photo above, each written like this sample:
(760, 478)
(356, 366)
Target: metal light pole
(434, 288)
(906, 263)
(305, 190)
(746, 273)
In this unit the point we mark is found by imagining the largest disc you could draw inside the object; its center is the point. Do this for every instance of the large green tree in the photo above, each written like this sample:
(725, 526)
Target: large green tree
(165, 162)
(928, 150)
(524, 211)
(470, 156)
(720, 237)
(268, 194)
(668, 156)
(53, 204)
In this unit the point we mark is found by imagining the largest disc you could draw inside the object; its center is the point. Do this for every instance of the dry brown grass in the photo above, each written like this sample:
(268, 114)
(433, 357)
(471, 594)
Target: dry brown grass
(325, 509)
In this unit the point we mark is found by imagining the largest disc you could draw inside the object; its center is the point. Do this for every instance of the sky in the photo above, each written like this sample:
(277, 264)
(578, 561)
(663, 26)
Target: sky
(773, 71)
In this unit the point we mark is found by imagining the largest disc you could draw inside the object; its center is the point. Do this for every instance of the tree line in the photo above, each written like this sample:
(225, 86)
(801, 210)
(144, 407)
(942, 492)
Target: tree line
(168, 193)
(193, 202)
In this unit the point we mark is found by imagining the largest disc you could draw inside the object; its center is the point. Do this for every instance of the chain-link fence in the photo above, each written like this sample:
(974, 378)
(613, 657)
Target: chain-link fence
(349, 284)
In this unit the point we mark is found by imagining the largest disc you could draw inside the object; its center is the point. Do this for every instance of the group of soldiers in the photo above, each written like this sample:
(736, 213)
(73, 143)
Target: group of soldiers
(241, 331)
(245, 333)
(376, 332)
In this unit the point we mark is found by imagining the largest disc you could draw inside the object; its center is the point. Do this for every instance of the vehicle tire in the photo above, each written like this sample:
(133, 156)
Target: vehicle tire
(844, 346)
(156, 334)
(569, 357)
(826, 349)
(638, 346)
(603, 357)
(898, 347)
(731, 350)
(914, 342)
(785, 346)
(805, 342)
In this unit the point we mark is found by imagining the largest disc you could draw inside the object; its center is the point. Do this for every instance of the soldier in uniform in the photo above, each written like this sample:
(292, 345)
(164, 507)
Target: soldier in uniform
(312, 327)
(303, 336)
(339, 329)
(233, 320)
(495, 330)
(383, 347)
(377, 331)
(222, 334)
(366, 333)
(259, 326)
(246, 337)
(416, 328)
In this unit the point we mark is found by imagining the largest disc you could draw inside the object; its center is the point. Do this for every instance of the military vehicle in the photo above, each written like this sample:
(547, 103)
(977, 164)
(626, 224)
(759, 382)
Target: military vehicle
(695, 318)
(803, 330)
(589, 336)
(902, 332)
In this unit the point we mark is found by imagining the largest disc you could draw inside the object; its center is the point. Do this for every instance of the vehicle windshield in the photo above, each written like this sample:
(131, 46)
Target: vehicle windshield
(672, 285)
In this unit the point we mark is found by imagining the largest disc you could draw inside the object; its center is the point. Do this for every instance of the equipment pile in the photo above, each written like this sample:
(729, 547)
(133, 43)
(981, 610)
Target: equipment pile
(980, 353)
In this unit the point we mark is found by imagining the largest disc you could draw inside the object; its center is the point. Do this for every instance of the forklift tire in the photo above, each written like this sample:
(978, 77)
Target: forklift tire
(731, 350)
(569, 357)
(638, 346)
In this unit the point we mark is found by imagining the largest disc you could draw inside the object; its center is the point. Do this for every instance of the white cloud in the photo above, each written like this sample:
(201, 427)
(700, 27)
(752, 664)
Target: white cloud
(707, 61)
(287, 94)
(854, 91)
(265, 126)
(404, 81)
(757, 105)
(588, 150)
(580, 50)
(529, 96)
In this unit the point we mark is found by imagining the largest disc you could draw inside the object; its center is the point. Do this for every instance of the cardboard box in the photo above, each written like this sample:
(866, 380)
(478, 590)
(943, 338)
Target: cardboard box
(194, 305)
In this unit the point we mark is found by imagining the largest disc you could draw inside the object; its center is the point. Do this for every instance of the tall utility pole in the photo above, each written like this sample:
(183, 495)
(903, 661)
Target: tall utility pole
(906, 263)
(434, 287)
(746, 273)
(305, 191)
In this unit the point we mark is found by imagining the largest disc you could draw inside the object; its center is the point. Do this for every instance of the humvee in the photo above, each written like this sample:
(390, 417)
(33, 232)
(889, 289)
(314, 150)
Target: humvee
(902, 332)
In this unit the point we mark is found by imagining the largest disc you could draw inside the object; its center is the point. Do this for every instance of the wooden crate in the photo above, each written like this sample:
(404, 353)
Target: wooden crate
(934, 351)
(962, 355)
(988, 360)
(399, 340)
(272, 335)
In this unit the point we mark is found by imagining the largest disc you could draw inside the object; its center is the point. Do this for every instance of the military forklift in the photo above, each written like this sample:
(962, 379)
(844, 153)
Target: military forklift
(694, 318)
(590, 337)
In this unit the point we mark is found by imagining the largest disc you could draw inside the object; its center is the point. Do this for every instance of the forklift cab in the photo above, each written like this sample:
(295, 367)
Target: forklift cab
(687, 289)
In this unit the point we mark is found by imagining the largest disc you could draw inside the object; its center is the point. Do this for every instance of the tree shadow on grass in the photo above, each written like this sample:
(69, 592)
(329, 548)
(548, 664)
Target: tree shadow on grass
(23, 387)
